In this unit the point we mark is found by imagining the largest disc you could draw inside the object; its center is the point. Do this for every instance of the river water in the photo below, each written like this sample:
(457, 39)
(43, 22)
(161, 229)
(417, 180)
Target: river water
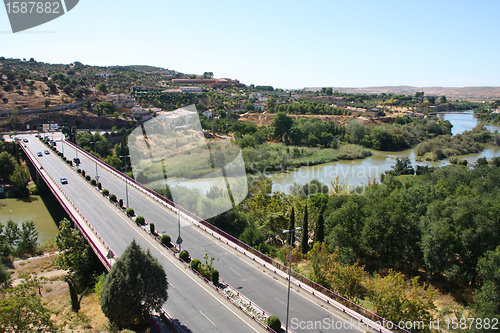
(44, 210)
(361, 172)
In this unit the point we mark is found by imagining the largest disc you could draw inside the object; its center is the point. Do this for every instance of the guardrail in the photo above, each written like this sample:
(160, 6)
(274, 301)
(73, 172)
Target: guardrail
(102, 257)
(330, 297)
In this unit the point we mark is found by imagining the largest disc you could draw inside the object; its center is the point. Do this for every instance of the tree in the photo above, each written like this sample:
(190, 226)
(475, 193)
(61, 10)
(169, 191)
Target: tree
(11, 235)
(21, 176)
(305, 233)
(403, 166)
(488, 297)
(281, 124)
(22, 309)
(208, 75)
(7, 165)
(395, 300)
(76, 257)
(102, 88)
(135, 285)
(319, 233)
(329, 91)
(28, 238)
(271, 103)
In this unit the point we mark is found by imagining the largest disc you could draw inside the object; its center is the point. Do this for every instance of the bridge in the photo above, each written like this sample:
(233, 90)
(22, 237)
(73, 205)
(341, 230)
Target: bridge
(192, 306)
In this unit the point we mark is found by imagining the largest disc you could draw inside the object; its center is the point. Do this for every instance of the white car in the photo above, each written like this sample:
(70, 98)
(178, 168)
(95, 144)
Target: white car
(64, 180)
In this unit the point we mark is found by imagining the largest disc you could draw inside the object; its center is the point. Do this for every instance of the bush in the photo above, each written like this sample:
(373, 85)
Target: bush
(274, 323)
(184, 255)
(195, 264)
(120, 202)
(139, 219)
(112, 198)
(130, 212)
(83, 173)
(70, 162)
(215, 278)
(165, 239)
(79, 170)
(87, 177)
(99, 186)
(105, 192)
(93, 182)
(152, 228)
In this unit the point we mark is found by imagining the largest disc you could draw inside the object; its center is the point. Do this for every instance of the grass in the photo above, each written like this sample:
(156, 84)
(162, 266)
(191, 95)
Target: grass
(276, 157)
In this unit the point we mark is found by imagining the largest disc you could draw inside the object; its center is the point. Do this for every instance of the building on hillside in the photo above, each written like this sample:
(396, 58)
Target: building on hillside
(211, 82)
(119, 100)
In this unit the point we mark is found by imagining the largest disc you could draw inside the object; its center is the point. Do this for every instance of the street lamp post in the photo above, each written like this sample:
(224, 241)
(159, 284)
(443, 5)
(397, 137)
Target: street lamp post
(291, 232)
(126, 182)
(96, 174)
(179, 239)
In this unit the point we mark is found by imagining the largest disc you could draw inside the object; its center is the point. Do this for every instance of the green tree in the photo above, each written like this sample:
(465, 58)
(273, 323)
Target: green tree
(488, 297)
(281, 125)
(208, 75)
(135, 286)
(102, 87)
(22, 309)
(396, 300)
(7, 165)
(319, 232)
(28, 238)
(271, 103)
(75, 257)
(11, 235)
(304, 246)
(20, 176)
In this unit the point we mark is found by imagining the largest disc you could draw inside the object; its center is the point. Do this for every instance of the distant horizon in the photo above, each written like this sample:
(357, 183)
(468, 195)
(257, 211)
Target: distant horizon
(286, 44)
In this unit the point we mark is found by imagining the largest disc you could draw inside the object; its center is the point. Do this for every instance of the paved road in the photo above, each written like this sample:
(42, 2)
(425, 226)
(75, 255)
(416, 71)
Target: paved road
(252, 280)
(194, 304)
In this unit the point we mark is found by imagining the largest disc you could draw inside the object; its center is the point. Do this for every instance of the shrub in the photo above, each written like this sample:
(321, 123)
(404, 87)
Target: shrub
(105, 192)
(165, 239)
(64, 158)
(215, 277)
(130, 212)
(184, 255)
(120, 202)
(112, 198)
(152, 228)
(79, 170)
(195, 264)
(87, 177)
(99, 186)
(93, 182)
(83, 173)
(70, 162)
(139, 219)
(274, 323)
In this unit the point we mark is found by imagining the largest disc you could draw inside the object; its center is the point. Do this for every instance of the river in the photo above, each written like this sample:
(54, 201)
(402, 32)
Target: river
(43, 209)
(361, 172)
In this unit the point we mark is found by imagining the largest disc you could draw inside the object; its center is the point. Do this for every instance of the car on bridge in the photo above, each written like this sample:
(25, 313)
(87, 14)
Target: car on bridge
(39, 154)
(64, 180)
(46, 152)
(25, 140)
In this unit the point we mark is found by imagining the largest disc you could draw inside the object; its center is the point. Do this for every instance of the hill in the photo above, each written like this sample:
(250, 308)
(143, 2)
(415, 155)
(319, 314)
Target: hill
(453, 93)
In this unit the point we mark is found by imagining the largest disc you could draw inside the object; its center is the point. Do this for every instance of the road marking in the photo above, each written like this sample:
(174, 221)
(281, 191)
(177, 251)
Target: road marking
(207, 318)
(234, 271)
(174, 263)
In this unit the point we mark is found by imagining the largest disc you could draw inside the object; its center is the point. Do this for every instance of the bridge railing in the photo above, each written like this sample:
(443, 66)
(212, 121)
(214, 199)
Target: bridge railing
(323, 293)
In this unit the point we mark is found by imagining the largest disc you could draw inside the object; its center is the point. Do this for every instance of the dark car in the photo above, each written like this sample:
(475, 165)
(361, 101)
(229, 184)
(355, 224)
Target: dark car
(39, 154)
(64, 180)
(25, 140)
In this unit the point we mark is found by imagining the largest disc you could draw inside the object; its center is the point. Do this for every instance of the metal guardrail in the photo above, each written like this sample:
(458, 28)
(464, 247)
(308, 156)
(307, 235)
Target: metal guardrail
(325, 294)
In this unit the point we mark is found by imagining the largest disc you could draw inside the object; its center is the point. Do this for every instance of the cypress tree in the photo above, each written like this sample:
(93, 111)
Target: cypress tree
(135, 285)
(319, 233)
(305, 233)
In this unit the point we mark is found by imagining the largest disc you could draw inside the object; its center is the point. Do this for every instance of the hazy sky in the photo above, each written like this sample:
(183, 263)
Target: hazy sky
(286, 44)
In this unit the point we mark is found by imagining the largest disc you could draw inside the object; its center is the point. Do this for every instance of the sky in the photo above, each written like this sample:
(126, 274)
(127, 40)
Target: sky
(286, 44)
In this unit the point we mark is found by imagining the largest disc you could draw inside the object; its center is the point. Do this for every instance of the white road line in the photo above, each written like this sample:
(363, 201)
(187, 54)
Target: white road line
(234, 271)
(174, 263)
(207, 318)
